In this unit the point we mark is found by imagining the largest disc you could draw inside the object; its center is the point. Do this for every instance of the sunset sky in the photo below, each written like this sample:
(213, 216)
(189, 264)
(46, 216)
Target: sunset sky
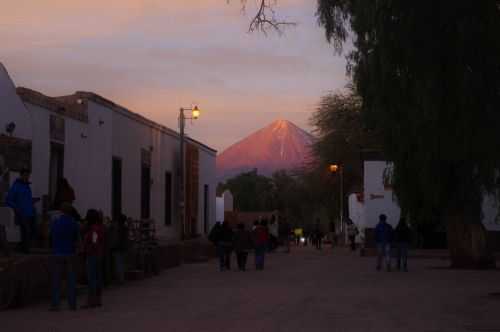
(153, 56)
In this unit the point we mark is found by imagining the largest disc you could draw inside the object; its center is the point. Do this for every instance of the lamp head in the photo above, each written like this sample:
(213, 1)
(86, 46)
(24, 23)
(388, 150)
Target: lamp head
(334, 168)
(196, 112)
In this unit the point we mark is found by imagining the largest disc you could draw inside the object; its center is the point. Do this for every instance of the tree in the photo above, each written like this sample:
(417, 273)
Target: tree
(265, 17)
(428, 73)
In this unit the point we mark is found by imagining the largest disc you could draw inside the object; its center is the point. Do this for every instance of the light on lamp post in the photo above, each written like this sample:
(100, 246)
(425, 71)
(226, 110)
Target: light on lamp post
(335, 168)
(195, 114)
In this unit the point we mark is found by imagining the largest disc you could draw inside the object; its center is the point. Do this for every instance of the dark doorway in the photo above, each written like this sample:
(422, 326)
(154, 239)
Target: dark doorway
(205, 208)
(116, 188)
(56, 168)
(145, 191)
(168, 198)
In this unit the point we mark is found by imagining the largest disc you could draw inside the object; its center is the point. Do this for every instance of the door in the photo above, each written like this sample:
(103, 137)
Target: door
(145, 191)
(116, 188)
(205, 208)
(56, 168)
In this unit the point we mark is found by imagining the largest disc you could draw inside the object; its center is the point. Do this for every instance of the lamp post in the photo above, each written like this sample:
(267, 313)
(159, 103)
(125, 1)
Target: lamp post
(195, 114)
(335, 168)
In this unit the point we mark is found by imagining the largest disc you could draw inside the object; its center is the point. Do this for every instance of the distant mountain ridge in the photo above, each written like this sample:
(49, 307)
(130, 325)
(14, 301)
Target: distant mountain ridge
(280, 145)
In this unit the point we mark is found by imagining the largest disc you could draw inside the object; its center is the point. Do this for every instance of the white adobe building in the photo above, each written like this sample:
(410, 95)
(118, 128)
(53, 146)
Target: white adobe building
(117, 161)
(377, 198)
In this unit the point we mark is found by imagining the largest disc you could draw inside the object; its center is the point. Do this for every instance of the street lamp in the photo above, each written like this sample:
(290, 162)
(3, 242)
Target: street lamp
(335, 168)
(195, 114)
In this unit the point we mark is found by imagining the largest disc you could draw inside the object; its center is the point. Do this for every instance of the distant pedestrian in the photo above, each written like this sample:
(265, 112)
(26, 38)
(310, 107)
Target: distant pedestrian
(402, 239)
(94, 251)
(260, 240)
(20, 199)
(273, 234)
(383, 238)
(215, 237)
(242, 245)
(331, 233)
(64, 235)
(318, 235)
(284, 230)
(352, 232)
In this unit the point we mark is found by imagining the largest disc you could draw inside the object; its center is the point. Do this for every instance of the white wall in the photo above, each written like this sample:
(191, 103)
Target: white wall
(491, 213)
(378, 200)
(12, 108)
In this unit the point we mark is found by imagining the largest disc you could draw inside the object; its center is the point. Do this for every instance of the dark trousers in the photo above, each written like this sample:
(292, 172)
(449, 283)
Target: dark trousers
(318, 243)
(402, 259)
(224, 253)
(59, 266)
(28, 231)
(352, 239)
(94, 277)
(241, 257)
(260, 254)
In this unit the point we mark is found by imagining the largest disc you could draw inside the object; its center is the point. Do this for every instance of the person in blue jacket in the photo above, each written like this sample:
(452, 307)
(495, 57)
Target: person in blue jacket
(383, 239)
(20, 199)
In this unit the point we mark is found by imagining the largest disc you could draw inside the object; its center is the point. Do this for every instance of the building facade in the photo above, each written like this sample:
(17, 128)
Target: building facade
(117, 161)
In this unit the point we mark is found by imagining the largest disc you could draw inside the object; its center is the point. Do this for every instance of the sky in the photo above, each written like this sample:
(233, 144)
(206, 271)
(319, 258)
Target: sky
(155, 56)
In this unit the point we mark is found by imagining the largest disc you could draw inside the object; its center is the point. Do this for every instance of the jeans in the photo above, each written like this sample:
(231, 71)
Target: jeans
(383, 253)
(58, 264)
(352, 239)
(402, 258)
(28, 231)
(119, 266)
(241, 257)
(260, 254)
(94, 275)
(224, 254)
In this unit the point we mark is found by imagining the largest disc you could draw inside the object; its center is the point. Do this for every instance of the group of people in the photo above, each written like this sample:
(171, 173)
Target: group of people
(74, 241)
(264, 237)
(388, 238)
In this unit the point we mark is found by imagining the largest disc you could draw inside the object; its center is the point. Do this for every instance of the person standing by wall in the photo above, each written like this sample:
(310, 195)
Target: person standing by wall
(284, 233)
(273, 234)
(64, 235)
(402, 239)
(383, 238)
(94, 250)
(242, 245)
(20, 199)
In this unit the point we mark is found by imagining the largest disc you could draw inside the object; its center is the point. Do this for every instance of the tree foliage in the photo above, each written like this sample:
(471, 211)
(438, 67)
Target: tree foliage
(429, 77)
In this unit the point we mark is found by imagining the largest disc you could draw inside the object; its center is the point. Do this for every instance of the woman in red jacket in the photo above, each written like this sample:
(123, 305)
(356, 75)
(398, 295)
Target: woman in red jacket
(94, 251)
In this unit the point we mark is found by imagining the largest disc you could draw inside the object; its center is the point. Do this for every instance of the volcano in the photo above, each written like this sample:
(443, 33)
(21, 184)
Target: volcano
(280, 145)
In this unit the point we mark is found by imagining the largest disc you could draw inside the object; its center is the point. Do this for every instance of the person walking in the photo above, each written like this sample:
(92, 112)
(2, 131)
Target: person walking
(260, 240)
(94, 250)
(226, 242)
(215, 237)
(284, 234)
(242, 245)
(64, 235)
(352, 232)
(383, 238)
(318, 235)
(20, 199)
(402, 238)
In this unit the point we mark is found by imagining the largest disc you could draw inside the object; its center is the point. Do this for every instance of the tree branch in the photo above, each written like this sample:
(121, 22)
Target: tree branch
(266, 18)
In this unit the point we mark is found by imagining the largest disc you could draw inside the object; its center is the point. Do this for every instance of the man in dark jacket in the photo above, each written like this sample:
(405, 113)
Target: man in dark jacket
(242, 245)
(383, 239)
(20, 199)
(402, 238)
